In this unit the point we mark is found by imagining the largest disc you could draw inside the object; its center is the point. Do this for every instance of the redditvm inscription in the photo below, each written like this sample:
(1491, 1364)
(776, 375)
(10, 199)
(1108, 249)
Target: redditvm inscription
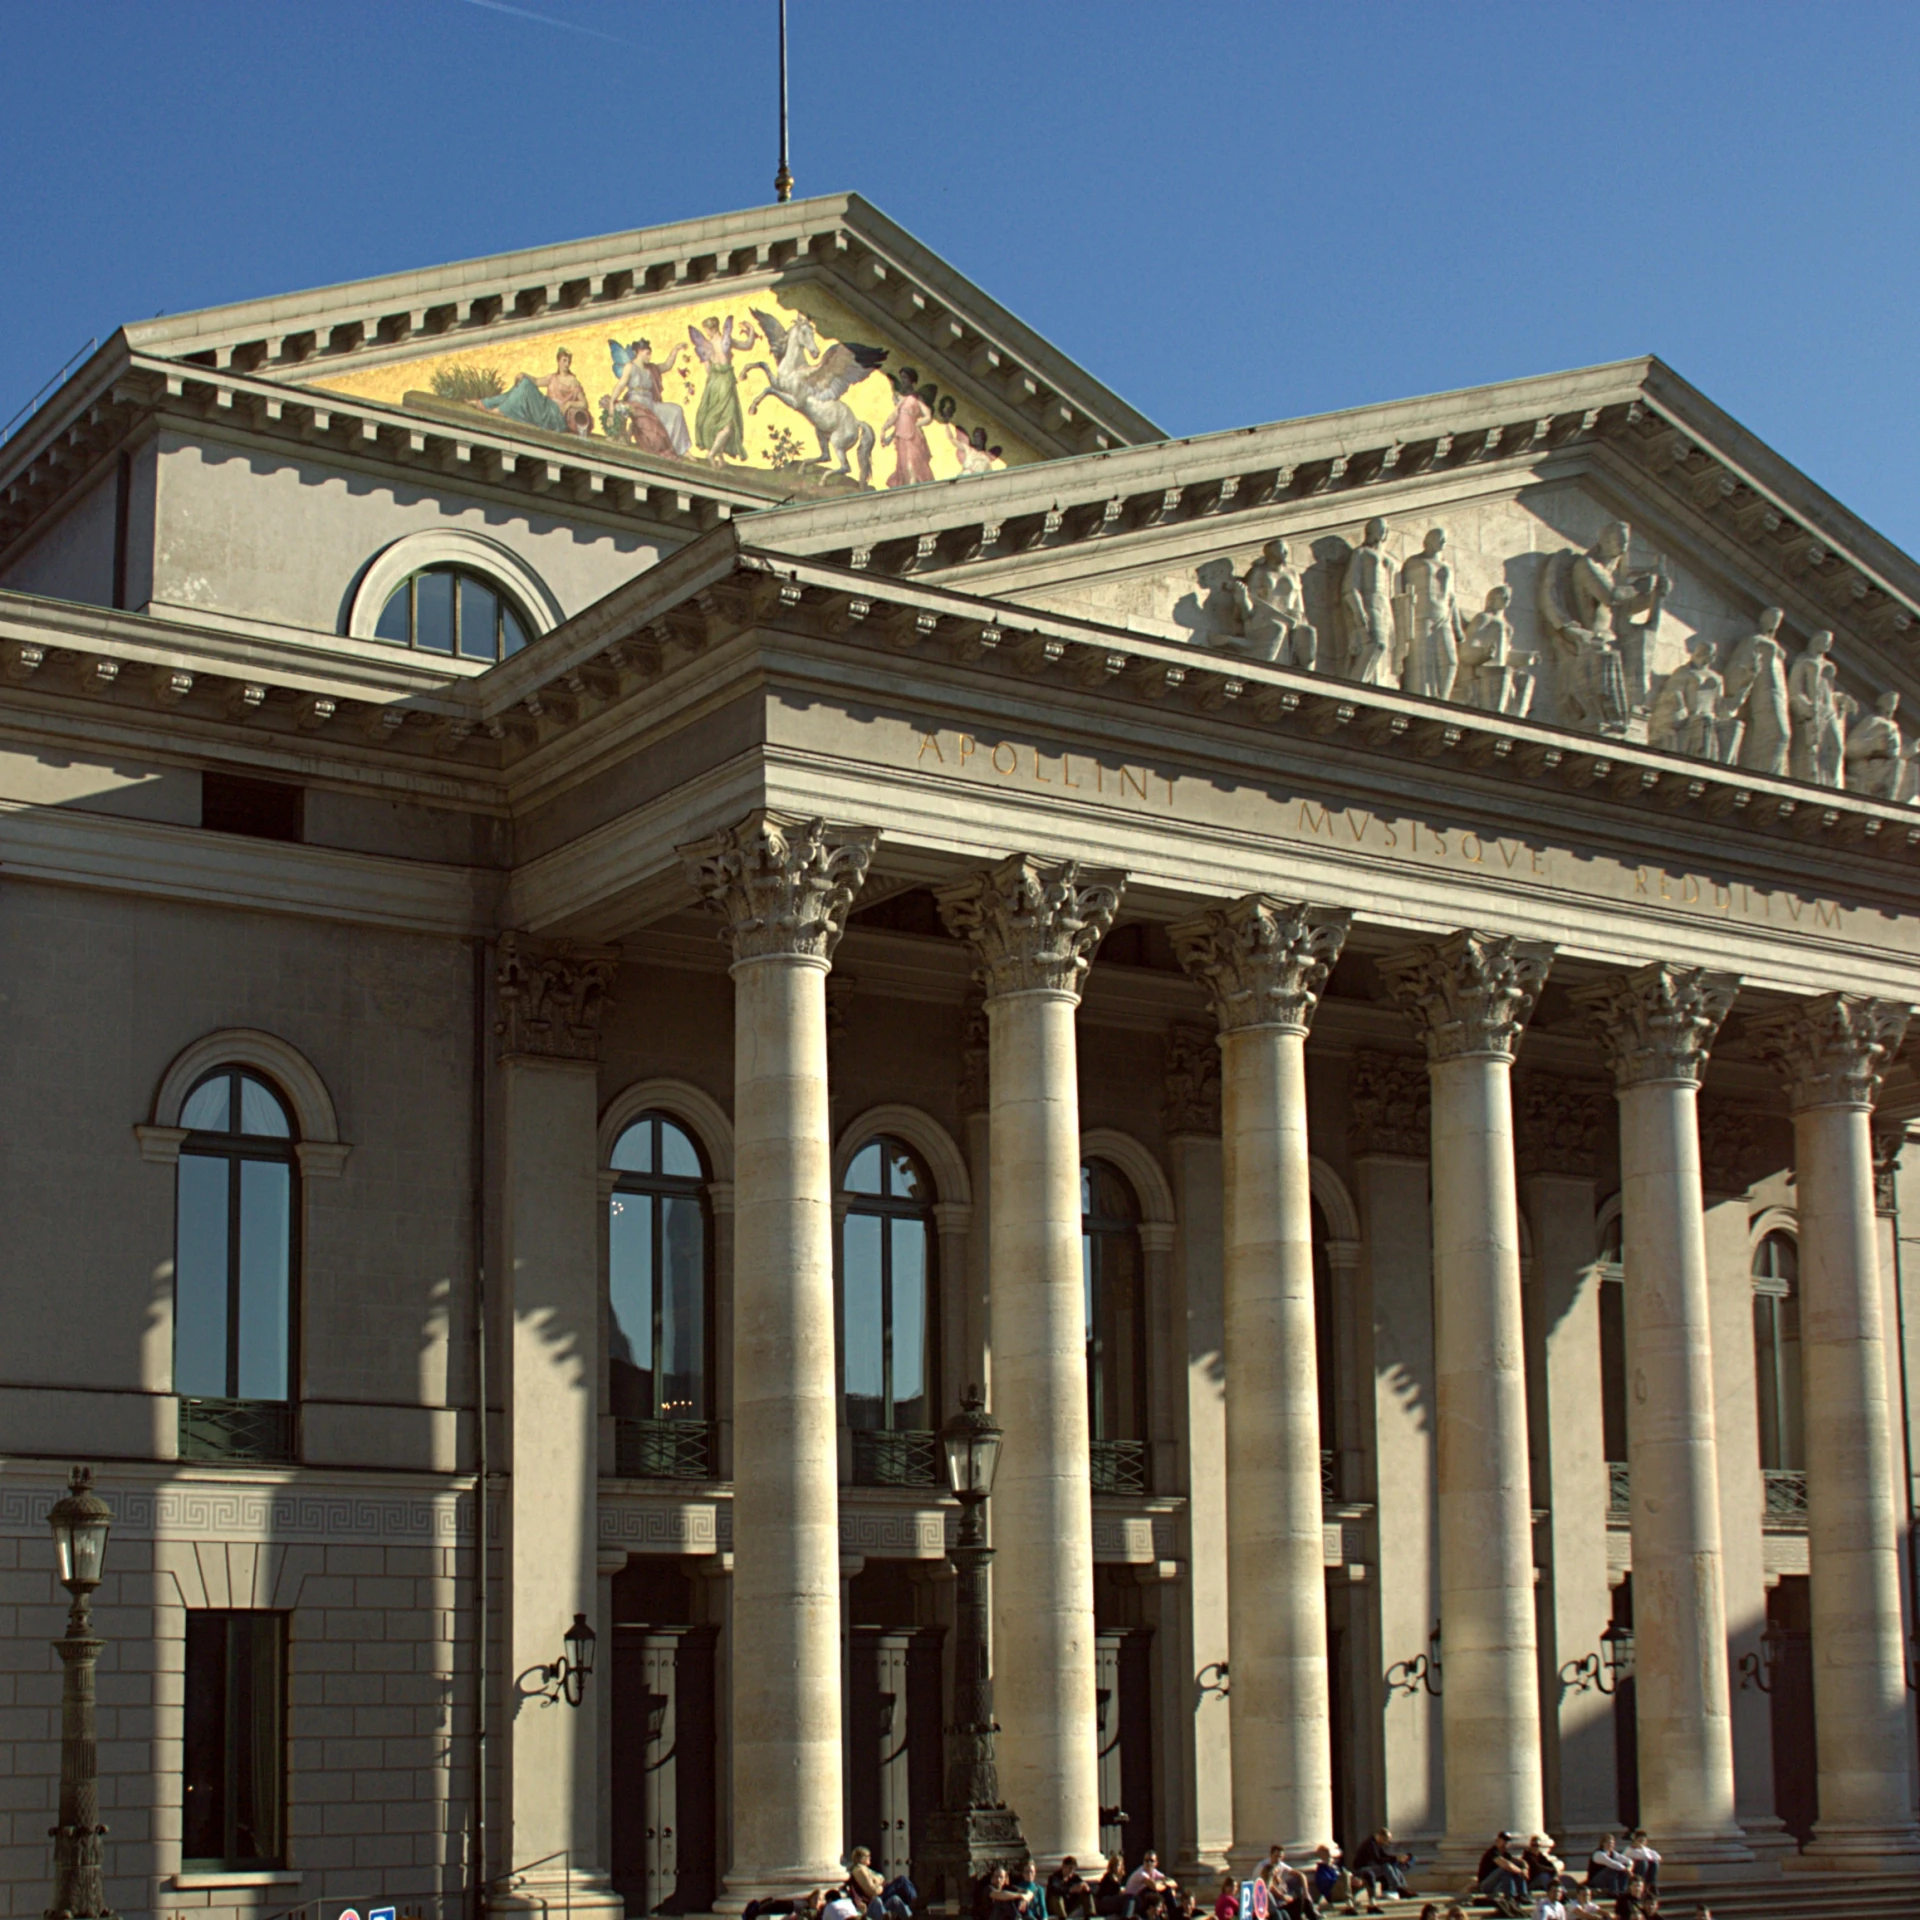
(1357, 830)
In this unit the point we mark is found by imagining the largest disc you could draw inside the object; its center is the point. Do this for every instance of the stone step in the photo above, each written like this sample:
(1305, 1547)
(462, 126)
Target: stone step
(1790, 1896)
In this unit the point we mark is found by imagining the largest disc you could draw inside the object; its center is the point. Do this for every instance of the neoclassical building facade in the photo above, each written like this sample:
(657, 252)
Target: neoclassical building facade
(580, 967)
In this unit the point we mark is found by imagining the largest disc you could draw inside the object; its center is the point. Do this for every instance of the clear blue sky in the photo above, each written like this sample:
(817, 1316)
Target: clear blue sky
(1229, 212)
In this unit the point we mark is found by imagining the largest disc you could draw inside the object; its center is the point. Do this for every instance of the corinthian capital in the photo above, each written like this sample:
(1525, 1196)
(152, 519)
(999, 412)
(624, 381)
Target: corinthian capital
(1262, 961)
(1832, 1052)
(781, 882)
(1033, 923)
(1470, 993)
(550, 998)
(1657, 1023)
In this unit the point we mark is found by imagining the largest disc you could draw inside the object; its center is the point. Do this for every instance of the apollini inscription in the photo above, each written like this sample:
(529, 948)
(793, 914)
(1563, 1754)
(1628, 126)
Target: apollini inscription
(1105, 779)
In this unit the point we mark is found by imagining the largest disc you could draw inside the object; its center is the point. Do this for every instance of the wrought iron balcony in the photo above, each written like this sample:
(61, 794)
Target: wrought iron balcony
(1619, 1490)
(1119, 1466)
(663, 1449)
(235, 1429)
(1329, 1476)
(1786, 1498)
(904, 1457)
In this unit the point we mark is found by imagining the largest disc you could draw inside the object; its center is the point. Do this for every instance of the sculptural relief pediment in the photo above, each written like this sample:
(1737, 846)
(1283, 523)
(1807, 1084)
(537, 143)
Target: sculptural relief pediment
(1566, 599)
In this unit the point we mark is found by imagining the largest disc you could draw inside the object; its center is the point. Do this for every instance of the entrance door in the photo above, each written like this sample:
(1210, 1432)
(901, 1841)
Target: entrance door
(1626, 1723)
(1796, 1779)
(893, 1742)
(1123, 1683)
(664, 1853)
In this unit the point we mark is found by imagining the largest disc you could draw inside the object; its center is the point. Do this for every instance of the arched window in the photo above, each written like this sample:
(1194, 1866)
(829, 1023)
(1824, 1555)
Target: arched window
(452, 610)
(657, 1334)
(1114, 1289)
(1776, 1366)
(887, 1278)
(234, 1272)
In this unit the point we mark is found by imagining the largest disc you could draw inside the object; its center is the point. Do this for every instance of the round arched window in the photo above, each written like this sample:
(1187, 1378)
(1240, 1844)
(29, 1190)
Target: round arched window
(1114, 1296)
(450, 610)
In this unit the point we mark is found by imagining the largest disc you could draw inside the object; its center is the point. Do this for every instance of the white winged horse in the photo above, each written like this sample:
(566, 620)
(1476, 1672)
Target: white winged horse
(814, 391)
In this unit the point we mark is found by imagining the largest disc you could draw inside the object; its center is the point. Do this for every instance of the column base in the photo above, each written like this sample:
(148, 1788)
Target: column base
(1844, 1848)
(557, 1890)
(1704, 1856)
(961, 1846)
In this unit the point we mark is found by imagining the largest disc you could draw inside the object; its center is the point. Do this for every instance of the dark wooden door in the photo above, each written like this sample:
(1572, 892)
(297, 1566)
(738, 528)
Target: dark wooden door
(1796, 1779)
(1123, 1696)
(663, 1784)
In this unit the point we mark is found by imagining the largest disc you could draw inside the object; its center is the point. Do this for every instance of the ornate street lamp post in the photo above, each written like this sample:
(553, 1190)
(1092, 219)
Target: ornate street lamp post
(975, 1831)
(79, 1521)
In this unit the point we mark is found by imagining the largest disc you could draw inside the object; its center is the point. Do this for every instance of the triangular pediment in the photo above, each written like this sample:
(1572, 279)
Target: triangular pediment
(733, 392)
(1523, 479)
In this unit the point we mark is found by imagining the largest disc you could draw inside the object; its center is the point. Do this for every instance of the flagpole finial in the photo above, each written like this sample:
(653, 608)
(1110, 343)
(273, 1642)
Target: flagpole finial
(783, 180)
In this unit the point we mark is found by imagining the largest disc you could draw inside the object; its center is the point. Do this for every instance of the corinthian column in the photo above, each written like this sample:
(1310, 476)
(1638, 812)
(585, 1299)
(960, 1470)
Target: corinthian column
(549, 1001)
(1831, 1053)
(1263, 963)
(783, 885)
(1469, 996)
(1655, 1028)
(1034, 925)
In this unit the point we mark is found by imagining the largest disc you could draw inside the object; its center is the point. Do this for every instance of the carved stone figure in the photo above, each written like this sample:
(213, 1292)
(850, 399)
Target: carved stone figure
(1587, 601)
(1877, 754)
(1223, 612)
(1689, 710)
(1757, 692)
(1487, 676)
(1430, 616)
(1819, 746)
(1277, 627)
(1366, 610)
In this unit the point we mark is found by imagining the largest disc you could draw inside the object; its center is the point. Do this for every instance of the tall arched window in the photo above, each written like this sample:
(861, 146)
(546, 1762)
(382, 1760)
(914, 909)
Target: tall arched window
(451, 610)
(1113, 1273)
(887, 1279)
(1776, 1366)
(235, 1261)
(657, 1335)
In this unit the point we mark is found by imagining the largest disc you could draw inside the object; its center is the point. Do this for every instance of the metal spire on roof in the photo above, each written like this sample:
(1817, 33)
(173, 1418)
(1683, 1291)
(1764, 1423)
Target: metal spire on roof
(783, 180)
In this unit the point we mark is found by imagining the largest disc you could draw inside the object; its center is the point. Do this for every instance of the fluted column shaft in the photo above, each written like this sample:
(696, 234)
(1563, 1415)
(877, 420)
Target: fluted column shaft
(1034, 926)
(1655, 1027)
(1831, 1054)
(1469, 996)
(1264, 962)
(783, 884)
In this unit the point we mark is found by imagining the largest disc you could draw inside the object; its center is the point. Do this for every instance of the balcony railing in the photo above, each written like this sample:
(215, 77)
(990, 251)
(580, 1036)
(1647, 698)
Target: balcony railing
(235, 1430)
(1786, 1497)
(1619, 1490)
(663, 1449)
(904, 1457)
(1119, 1466)
(1329, 1476)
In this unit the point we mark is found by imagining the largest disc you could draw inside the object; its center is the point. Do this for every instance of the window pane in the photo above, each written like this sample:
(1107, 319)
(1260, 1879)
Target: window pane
(1114, 1352)
(1613, 1369)
(633, 1151)
(909, 1323)
(905, 1178)
(433, 612)
(683, 1331)
(630, 1297)
(208, 1105)
(200, 1278)
(479, 610)
(864, 1176)
(266, 1245)
(864, 1354)
(1766, 1362)
(393, 616)
(260, 1110)
(254, 1736)
(203, 1835)
(677, 1155)
(513, 636)
(1793, 1453)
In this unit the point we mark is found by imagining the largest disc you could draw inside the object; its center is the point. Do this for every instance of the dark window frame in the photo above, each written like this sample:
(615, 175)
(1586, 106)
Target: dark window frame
(1776, 1284)
(235, 1148)
(888, 1206)
(233, 1772)
(505, 605)
(653, 1188)
(1094, 1228)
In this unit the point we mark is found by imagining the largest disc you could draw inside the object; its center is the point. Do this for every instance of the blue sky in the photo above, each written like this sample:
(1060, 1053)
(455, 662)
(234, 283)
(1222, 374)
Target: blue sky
(1229, 212)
